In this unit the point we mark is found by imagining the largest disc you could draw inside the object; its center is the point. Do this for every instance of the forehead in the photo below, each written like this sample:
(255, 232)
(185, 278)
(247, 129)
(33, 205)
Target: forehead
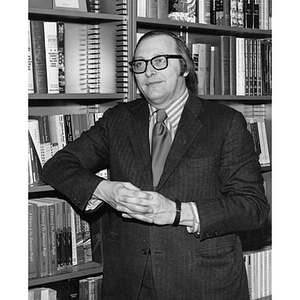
(161, 44)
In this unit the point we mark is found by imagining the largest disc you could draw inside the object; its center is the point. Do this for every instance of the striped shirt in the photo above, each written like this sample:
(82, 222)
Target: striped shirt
(173, 111)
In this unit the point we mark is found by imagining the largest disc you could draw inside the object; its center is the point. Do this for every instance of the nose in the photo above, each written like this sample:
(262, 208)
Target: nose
(149, 69)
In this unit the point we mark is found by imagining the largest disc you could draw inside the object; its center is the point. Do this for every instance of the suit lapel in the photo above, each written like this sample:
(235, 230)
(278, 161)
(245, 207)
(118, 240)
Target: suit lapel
(188, 128)
(138, 129)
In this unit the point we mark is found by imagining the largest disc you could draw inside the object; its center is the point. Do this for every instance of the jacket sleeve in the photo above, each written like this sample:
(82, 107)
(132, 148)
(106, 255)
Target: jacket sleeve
(71, 171)
(242, 204)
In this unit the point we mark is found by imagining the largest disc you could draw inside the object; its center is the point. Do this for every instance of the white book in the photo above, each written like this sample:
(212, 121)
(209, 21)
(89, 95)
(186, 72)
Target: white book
(240, 66)
(33, 127)
(141, 8)
(30, 63)
(51, 51)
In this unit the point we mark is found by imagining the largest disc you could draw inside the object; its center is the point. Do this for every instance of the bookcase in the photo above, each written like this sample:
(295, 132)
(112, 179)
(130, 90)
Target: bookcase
(120, 18)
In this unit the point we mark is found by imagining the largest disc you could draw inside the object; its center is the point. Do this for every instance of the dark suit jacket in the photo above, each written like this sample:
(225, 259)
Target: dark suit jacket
(211, 162)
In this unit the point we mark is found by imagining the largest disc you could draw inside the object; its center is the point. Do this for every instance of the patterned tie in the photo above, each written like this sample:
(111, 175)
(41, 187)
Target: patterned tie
(161, 143)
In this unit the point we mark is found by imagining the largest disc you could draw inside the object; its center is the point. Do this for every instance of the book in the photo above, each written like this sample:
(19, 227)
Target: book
(75, 5)
(232, 65)
(141, 8)
(151, 9)
(43, 232)
(225, 65)
(45, 143)
(220, 16)
(233, 13)
(30, 63)
(240, 13)
(248, 8)
(50, 38)
(162, 9)
(40, 4)
(182, 10)
(203, 11)
(38, 57)
(240, 66)
(33, 241)
(61, 56)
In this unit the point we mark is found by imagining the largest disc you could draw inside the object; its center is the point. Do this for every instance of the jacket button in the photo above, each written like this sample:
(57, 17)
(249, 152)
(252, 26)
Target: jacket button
(144, 251)
(208, 235)
(217, 232)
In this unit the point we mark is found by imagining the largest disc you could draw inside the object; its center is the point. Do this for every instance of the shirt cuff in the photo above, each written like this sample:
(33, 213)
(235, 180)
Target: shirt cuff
(93, 203)
(196, 227)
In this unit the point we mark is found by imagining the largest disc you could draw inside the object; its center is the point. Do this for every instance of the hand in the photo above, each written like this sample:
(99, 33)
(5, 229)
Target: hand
(124, 197)
(162, 210)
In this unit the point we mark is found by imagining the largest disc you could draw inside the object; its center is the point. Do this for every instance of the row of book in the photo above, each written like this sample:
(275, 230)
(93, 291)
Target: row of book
(58, 237)
(48, 134)
(90, 288)
(235, 13)
(73, 58)
(229, 65)
(79, 289)
(44, 293)
(258, 266)
(93, 6)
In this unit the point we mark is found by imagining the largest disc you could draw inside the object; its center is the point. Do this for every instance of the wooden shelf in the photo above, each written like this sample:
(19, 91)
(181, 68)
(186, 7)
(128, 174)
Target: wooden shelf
(71, 16)
(83, 270)
(61, 99)
(241, 99)
(40, 188)
(202, 28)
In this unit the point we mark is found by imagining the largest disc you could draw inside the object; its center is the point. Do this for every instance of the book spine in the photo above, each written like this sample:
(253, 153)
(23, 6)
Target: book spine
(248, 13)
(256, 15)
(162, 9)
(141, 8)
(233, 13)
(33, 241)
(220, 16)
(30, 63)
(61, 56)
(43, 234)
(213, 12)
(50, 38)
(212, 71)
(225, 65)
(201, 69)
(52, 240)
(151, 10)
(39, 57)
(226, 7)
(232, 66)
(240, 13)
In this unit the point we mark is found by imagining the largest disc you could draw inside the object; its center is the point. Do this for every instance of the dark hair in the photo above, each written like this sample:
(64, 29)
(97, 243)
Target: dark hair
(186, 64)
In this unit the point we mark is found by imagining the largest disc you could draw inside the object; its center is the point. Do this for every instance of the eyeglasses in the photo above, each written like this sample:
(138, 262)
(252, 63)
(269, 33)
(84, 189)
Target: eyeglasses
(159, 62)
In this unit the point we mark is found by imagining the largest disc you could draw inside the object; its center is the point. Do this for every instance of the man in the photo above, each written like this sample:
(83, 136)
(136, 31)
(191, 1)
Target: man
(170, 235)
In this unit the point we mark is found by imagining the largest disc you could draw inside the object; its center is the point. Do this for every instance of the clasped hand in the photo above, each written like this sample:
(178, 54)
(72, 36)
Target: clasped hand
(146, 206)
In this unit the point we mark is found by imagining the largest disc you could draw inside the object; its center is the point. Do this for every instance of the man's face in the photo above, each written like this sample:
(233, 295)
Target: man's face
(160, 87)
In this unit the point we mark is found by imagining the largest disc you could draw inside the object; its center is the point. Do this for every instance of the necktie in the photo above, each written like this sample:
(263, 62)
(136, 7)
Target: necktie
(161, 143)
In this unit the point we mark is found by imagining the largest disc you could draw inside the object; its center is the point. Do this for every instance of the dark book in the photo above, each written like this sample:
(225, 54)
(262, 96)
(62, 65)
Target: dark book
(248, 10)
(226, 8)
(232, 67)
(256, 15)
(213, 16)
(38, 57)
(225, 65)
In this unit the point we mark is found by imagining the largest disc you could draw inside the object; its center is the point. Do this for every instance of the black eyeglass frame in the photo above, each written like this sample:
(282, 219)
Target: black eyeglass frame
(167, 56)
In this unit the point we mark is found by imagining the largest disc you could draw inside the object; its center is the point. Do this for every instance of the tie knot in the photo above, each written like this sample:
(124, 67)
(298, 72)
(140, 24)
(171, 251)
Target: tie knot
(161, 115)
